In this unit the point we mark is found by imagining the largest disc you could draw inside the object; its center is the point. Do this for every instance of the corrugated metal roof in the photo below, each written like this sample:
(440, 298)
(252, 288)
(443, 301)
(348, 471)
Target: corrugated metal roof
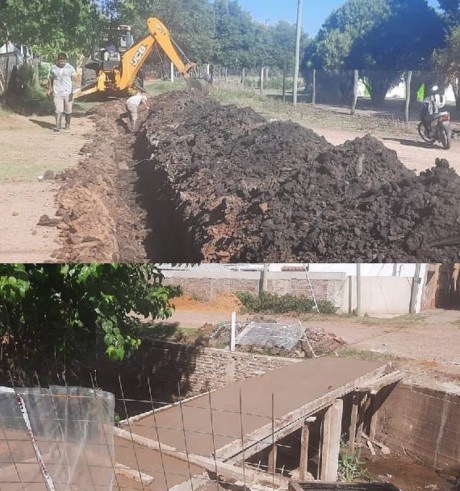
(271, 335)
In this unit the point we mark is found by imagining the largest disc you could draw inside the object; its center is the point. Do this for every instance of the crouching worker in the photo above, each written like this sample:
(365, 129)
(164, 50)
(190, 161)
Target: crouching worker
(60, 86)
(132, 104)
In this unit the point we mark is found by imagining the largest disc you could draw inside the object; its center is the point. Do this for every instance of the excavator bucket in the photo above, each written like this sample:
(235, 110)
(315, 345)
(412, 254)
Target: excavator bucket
(198, 85)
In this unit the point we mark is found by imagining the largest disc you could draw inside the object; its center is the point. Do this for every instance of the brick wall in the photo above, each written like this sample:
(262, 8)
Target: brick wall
(208, 285)
(168, 366)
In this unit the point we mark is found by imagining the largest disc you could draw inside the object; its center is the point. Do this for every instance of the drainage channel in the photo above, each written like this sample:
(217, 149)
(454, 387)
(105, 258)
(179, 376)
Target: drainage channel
(172, 237)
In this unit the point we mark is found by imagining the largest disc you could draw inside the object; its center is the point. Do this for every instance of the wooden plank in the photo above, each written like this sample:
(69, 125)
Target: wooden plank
(330, 444)
(378, 383)
(227, 471)
(262, 437)
(353, 423)
(304, 442)
(135, 475)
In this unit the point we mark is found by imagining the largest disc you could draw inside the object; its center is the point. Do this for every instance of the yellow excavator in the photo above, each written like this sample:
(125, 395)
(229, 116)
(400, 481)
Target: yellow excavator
(115, 70)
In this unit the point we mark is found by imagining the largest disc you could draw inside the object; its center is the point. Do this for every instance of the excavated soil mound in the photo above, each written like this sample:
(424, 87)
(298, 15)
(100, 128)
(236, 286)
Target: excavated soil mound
(209, 182)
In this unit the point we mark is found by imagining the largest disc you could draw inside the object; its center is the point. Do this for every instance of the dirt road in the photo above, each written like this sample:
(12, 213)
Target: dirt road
(425, 345)
(30, 148)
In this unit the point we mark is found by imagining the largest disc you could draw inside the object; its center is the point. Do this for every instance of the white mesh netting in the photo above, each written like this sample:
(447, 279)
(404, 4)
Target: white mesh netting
(60, 438)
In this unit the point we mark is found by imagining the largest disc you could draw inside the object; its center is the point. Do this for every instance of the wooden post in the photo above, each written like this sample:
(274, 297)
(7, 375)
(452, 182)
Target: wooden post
(363, 405)
(406, 110)
(330, 445)
(262, 80)
(374, 416)
(304, 442)
(284, 82)
(297, 52)
(313, 87)
(353, 422)
(355, 92)
(272, 459)
(243, 77)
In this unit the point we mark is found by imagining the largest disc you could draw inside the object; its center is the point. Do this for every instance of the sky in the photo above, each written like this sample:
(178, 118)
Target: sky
(314, 12)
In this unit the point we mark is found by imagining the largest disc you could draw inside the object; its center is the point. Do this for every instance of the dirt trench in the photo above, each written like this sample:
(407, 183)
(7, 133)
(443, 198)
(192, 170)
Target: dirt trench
(202, 181)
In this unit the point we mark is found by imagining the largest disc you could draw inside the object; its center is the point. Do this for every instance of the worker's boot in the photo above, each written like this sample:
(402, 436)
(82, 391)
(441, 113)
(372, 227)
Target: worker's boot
(58, 122)
(68, 117)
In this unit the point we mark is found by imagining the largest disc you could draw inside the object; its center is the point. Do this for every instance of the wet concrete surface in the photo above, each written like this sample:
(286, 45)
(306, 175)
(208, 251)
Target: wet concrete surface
(204, 424)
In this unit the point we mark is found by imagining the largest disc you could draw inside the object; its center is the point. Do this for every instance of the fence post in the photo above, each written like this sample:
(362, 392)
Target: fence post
(355, 92)
(233, 332)
(313, 87)
(262, 80)
(406, 109)
(243, 77)
(284, 82)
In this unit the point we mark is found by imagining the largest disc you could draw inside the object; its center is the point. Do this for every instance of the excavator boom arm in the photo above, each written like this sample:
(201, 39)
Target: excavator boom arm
(135, 57)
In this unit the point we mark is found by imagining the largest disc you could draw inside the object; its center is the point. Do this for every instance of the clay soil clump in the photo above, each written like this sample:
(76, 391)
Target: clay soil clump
(207, 182)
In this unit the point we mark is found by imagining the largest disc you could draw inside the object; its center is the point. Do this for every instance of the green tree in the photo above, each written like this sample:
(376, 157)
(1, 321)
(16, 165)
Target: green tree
(381, 38)
(452, 10)
(332, 45)
(190, 22)
(51, 26)
(378, 54)
(281, 39)
(447, 61)
(235, 36)
(52, 314)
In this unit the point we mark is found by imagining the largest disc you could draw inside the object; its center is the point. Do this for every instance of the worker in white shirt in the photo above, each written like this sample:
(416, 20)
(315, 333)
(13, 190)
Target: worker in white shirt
(132, 104)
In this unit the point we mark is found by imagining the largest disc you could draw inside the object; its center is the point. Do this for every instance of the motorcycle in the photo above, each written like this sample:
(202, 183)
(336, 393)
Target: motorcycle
(439, 126)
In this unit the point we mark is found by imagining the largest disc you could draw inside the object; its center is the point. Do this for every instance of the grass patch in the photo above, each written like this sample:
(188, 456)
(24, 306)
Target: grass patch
(5, 112)
(399, 320)
(271, 106)
(157, 87)
(26, 172)
(367, 355)
(282, 304)
(170, 331)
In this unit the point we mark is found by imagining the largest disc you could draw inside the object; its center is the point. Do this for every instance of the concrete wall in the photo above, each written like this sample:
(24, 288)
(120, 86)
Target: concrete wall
(379, 295)
(424, 423)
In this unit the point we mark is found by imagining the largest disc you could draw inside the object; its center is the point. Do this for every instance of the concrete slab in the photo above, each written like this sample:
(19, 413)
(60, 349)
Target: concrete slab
(214, 422)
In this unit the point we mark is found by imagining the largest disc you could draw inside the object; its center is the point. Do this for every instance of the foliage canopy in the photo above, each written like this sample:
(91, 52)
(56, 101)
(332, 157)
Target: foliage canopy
(51, 314)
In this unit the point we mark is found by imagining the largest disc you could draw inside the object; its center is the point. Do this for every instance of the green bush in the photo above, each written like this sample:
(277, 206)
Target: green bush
(270, 303)
(351, 467)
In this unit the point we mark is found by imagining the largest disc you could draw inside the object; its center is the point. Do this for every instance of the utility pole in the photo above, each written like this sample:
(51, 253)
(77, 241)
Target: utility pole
(297, 52)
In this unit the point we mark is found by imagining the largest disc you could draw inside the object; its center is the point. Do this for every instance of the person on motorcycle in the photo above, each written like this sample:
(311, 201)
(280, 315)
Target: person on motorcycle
(432, 104)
